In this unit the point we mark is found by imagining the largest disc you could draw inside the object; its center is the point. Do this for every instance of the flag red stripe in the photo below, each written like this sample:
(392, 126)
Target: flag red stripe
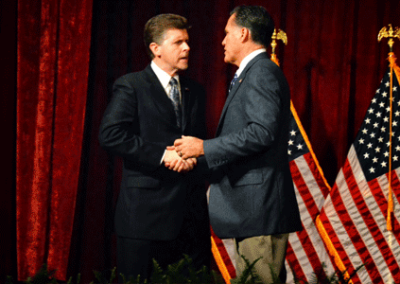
(294, 263)
(224, 254)
(317, 175)
(309, 249)
(396, 185)
(337, 244)
(313, 211)
(396, 193)
(381, 200)
(369, 219)
(353, 234)
(303, 190)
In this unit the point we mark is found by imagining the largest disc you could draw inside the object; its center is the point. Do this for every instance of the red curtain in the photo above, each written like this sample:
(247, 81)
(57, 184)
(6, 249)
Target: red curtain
(333, 63)
(53, 61)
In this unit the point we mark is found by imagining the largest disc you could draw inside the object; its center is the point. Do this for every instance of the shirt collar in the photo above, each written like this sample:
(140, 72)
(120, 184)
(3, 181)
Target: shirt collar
(248, 58)
(162, 76)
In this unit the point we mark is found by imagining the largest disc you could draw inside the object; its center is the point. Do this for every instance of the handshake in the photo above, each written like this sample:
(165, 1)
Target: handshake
(182, 156)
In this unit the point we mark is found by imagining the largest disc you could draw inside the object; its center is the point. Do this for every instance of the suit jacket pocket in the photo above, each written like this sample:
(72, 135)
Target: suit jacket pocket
(251, 177)
(142, 182)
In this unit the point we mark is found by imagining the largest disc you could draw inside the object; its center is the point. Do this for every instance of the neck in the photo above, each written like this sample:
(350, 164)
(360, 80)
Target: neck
(249, 48)
(165, 67)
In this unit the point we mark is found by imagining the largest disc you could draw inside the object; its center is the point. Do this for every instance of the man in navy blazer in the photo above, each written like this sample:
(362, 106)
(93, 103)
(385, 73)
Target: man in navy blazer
(252, 197)
(160, 214)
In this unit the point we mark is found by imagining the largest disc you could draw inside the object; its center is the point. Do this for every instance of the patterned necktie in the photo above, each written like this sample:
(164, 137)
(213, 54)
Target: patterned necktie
(174, 96)
(233, 82)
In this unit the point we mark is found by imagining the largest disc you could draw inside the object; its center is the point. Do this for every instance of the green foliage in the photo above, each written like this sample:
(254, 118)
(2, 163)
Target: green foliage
(180, 272)
(183, 272)
(249, 275)
(322, 277)
(43, 276)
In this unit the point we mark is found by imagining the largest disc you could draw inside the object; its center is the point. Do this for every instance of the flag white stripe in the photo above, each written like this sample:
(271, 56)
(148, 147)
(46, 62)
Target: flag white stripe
(229, 245)
(363, 231)
(300, 255)
(383, 183)
(308, 224)
(308, 221)
(376, 214)
(309, 179)
(340, 230)
(360, 227)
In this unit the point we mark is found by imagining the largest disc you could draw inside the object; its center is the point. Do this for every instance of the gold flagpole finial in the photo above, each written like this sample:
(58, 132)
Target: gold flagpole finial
(391, 34)
(281, 35)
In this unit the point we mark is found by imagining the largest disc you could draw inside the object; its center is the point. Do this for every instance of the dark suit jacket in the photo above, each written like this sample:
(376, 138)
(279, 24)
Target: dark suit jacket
(137, 125)
(251, 191)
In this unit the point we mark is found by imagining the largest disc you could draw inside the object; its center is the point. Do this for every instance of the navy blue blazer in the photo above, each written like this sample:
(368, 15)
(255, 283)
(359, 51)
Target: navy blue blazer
(251, 190)
(138, 124)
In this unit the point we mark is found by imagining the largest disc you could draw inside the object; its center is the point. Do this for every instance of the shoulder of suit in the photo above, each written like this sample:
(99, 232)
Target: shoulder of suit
(266, 65)
(139, 76)
(265, 62)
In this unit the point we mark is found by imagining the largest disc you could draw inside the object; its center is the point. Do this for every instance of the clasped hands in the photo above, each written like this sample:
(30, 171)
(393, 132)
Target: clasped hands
(182, 156)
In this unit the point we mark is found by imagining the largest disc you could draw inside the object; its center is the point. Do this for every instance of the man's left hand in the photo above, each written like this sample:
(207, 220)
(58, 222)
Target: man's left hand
(189, 147)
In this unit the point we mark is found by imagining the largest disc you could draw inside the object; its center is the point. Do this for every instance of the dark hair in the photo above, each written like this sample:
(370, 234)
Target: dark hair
(257, 20)
(155, 28)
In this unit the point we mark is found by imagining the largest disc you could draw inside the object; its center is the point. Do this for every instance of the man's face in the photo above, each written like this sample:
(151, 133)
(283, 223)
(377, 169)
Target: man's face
(173, 53)
(231, 41)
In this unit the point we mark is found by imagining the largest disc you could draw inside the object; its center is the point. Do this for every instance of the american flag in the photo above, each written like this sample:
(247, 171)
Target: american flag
(354, 217)
(306, 254)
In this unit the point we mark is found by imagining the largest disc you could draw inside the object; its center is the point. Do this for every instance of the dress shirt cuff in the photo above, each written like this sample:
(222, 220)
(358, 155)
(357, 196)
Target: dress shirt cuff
(162, 158)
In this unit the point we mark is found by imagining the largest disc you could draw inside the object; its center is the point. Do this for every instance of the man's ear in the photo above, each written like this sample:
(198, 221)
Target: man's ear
(245, 34)
(155, 48)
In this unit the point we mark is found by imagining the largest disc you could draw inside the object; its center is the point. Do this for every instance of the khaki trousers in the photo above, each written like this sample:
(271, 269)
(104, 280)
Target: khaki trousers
(271, 249)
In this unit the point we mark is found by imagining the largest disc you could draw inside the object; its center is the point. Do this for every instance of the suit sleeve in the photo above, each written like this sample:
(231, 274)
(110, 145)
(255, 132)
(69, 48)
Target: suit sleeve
(119, 128)
(261, 106)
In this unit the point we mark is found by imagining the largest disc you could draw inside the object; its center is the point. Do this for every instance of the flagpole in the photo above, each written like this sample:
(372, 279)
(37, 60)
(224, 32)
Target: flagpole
(391, 34)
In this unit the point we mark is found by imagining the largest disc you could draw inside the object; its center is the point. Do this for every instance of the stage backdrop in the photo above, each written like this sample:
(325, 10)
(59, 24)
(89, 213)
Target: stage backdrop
(333, 63)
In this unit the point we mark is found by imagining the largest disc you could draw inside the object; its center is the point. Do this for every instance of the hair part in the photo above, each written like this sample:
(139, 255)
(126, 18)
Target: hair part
(156, 28)
(257, 20)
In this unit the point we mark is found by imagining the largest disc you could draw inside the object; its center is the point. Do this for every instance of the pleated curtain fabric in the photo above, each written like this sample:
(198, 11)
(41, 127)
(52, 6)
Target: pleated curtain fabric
(52, 78)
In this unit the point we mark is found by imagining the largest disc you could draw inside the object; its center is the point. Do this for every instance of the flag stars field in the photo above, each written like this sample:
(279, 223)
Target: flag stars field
(376, 128)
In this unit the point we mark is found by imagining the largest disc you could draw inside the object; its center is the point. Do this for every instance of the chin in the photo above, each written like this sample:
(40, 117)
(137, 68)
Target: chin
(183, 67)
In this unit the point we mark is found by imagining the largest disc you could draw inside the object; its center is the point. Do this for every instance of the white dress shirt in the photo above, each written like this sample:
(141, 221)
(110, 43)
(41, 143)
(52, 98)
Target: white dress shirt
(164, 79)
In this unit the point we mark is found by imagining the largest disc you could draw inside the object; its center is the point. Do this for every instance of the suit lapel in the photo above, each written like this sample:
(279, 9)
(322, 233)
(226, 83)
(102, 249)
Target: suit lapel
(186, 97)
(160, 99)
(235, 87)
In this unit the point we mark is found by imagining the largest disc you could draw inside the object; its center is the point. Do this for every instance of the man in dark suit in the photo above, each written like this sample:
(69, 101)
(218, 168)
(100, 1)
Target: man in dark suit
(252, 197)
(160, 214)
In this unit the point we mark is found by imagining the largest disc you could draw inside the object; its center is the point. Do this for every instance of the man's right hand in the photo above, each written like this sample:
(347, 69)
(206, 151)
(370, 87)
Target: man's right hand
(173, 162)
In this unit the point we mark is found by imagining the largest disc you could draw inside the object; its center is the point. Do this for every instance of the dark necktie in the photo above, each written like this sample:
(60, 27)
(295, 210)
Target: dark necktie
(233, 82)
(174, 96)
